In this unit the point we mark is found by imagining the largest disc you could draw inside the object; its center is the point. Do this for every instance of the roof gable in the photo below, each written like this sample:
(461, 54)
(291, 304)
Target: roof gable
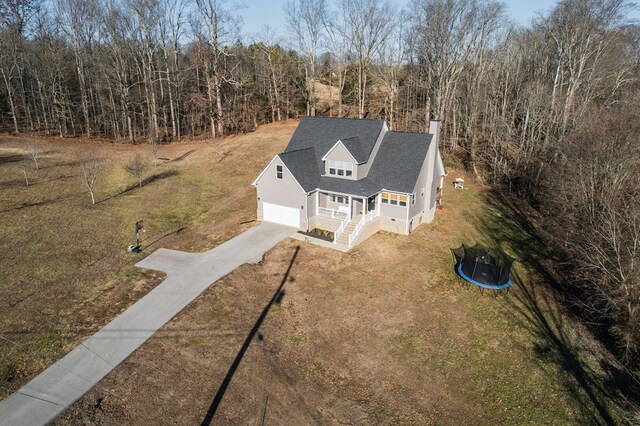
(334, 147)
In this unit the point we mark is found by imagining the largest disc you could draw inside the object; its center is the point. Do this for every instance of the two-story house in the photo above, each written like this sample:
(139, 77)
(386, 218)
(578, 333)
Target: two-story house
(352, 177)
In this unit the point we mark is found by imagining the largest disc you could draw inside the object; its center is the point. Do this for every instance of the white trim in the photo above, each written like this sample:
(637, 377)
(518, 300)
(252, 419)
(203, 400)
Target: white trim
(406, 224)
(338, 165)
(285, 166)
(344, 193)
(397, 192)
(347, 149)
(306, 207)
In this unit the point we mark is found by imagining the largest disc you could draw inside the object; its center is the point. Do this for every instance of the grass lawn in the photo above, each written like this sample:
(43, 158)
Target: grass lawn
(383, 334)
(64, 272)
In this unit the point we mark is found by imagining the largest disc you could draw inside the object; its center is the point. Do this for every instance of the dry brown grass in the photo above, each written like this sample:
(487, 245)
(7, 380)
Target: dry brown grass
(382, 334)
(64, 271)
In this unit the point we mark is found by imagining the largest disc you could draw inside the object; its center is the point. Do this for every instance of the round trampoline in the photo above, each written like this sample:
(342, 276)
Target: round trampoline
(484, 267)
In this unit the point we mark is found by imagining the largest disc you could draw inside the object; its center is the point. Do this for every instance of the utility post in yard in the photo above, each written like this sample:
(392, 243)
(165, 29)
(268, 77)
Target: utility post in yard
(139, 227)
(136, 248)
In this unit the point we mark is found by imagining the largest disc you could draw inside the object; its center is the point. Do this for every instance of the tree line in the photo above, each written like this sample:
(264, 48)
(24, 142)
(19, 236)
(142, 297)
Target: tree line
(548, 111)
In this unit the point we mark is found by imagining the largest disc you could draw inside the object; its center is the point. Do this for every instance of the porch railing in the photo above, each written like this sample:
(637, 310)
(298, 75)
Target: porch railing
(334, 214)
(340, 230)
(361, 223)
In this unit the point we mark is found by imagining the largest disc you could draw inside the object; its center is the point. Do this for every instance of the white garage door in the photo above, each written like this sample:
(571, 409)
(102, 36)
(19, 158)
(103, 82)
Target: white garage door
(280, 214)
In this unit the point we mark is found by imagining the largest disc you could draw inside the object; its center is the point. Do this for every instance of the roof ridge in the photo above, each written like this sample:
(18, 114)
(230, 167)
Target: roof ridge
(296, 150)
(343, 118)
(411, 132)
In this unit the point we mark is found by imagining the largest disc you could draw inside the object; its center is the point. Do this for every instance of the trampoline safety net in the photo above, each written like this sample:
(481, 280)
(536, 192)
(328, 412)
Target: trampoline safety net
(484, 267)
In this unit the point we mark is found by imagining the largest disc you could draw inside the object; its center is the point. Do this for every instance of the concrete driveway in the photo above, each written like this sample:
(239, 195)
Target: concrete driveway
(188, 275)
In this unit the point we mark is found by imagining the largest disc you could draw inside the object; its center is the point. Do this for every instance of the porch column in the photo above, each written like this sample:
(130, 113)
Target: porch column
(350, 208)
(365, 201)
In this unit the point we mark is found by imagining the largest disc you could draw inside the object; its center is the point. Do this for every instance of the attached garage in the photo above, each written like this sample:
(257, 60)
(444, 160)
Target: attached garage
(289, 216)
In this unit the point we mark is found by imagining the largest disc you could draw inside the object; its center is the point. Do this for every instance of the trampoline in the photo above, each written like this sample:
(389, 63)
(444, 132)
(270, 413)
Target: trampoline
(484, 267)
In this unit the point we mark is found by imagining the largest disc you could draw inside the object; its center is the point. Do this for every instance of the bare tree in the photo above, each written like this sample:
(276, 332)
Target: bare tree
(92, 167)
(391, 55)
(137, 166)
(306, 19)
(369, 24)
(34, 151)
(218, 24)
(595, 218)
(449, 34)
(78, 20)
(154, 147)
(339, 45)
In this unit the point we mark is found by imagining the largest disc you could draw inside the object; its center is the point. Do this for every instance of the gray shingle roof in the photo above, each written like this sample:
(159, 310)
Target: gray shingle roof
(354, 147)
(396, 166)
(322, 133)
(399, 160)
(302, 164)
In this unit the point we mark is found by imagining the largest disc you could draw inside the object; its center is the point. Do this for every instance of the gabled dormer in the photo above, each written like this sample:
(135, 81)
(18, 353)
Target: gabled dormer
(342, 160)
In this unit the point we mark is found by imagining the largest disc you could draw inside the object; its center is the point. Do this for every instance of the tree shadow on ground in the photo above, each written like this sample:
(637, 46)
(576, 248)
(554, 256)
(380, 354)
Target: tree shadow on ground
(28, 204)
(156, 239)
(179, 158)
(32, 182)
(277, 297)
(163, 175)
(538, 304)
(13, 158)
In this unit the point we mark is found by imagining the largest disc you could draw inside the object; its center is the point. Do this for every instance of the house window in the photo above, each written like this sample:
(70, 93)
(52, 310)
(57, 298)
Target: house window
(393, 199)
(340, 168)
(413, 199)
(279, 172)
(340, 199)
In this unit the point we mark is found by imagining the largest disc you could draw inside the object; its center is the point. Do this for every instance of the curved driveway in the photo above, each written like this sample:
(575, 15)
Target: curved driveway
(188, 275)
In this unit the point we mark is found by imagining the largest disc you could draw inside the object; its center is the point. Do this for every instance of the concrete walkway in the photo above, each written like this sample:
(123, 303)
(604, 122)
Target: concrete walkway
(188, 275)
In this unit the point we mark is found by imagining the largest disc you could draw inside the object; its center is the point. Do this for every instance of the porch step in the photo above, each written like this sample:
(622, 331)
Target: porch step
(344, 237)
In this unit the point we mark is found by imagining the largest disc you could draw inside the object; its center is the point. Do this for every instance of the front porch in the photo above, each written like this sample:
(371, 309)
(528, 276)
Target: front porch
(344, 215)
(343, 206)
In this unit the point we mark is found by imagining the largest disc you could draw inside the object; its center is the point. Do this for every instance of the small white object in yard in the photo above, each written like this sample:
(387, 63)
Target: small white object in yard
(458, 183)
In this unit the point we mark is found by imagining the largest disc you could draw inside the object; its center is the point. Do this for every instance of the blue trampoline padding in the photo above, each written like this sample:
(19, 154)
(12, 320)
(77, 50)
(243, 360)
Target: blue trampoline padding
(479, 284)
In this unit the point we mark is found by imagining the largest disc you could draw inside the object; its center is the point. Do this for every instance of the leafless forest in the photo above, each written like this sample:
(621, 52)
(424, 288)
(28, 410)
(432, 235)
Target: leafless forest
(549, 112)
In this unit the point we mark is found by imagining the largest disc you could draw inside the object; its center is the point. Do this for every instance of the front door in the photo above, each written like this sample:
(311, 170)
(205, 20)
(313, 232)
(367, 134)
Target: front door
(371, 203)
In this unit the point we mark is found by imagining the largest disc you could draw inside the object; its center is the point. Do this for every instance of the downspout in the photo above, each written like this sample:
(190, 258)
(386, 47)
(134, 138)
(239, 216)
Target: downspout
(406, 223)
(306, 207)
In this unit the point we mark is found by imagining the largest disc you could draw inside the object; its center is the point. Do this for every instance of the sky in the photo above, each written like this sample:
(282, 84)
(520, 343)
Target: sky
(257, 13)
